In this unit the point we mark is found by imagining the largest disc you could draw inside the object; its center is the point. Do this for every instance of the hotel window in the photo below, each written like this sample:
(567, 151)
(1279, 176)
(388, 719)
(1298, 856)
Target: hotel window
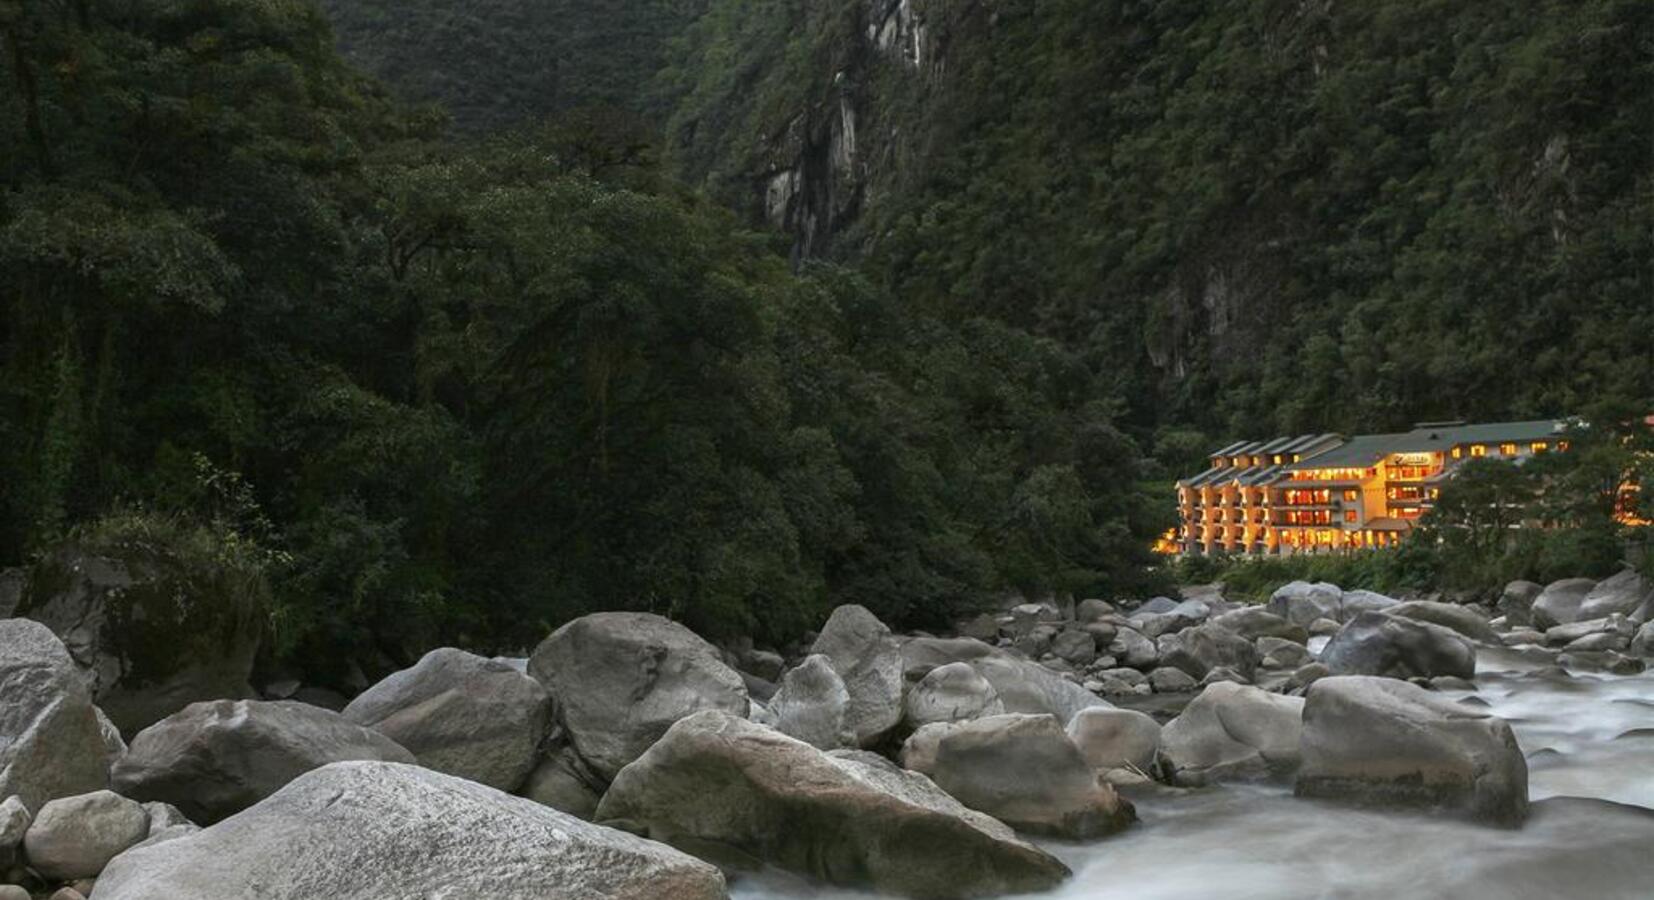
(1478, 450)
(1539, 446)
(1349, 515)
(1507, 449)
(1458, 452)
(1352, 495)
(1561, 445)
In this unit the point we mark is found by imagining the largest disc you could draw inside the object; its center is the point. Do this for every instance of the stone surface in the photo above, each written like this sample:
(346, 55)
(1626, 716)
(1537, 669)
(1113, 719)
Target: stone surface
(562, 782)
(370, 831)
(51, 744)
(1115, 739)
(1170, 680)
(1301, 602)
(1280, 653)
(1232, 732)
(1092, 610)
(867, 656)
(1075, 646)
(1023, 686)
(75, 837)
(1387, 742)
(163, 816)
(1559, 603)
(951, 693)
(1180, 616)
(1616, 624)
(1354, 603)
(813, 705)
(1448, 615)
(153, 634)
(215, 759)
(1642, 643)
(846, 818)
(461, 714)
(1133, 649)
(1516, 601)
(1254, 622)
(14, 892)
(1375, 643)
(1200, 649)
(1025, 771)
(1624, 593)
(14, 823)
(619, 680)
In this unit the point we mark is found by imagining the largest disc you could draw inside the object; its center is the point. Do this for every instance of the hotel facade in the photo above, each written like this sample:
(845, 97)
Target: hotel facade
(1324, 493)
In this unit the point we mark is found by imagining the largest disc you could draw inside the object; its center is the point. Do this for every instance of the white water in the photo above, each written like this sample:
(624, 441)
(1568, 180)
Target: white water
(1246, 842)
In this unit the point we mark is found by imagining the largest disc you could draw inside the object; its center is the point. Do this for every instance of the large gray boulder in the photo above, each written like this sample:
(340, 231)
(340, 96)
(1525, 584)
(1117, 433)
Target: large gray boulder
(619, 680)
(869, 659)
(1301, 602)
(846, 818)
(50, 741)
(1642, 643)
(813, 705)
(1356, 602)
(1023, 686)
(374, 830)
(1559, 603)
(1254, 622)
(563, 782)
(462, 714)
(1462, 619)
(1134, 649)
(1232, 732)
(1624, 593)
(1374, 643)
(951, 693)
(1386, 742)
(1075, 646)
(1516, 601)
(1181, 616)
(1203, 648)
(215, 759)
(1025, 771)
(1112, 739)
(154, 631)
(75, 837)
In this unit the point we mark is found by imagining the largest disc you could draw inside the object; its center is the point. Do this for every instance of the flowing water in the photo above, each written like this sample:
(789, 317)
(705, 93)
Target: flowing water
(1589, 740)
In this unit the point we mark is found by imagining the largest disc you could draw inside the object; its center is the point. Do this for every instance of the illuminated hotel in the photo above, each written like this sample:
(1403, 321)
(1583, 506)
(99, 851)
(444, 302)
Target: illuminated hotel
(1319, 493)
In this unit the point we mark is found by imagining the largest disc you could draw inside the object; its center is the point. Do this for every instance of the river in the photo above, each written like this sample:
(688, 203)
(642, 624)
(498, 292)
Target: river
(1589, 740)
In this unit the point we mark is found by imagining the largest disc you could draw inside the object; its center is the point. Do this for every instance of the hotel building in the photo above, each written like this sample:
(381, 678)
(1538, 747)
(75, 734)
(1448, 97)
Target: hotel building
(1321, 493)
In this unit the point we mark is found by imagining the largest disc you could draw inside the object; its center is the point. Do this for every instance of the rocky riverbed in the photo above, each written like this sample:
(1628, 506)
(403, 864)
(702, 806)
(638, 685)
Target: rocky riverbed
(1328, 742)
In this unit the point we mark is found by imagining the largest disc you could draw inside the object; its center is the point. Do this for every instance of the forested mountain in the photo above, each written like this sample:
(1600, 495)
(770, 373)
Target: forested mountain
(259, 317)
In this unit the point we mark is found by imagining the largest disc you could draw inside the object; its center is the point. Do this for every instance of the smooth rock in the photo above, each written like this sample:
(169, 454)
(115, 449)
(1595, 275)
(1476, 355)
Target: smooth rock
(1075, 646)
(1171, 680)
(215, 759)
(1573, 631)
(1255, 622)
(951, 693)
(846, 818)
(1200, 649)
(1115, 739)
(75, 837)
(1354, 603)
(1280, 653)
(1232, 732)
(1092, 610)
(1516, 601)
(1133, 649)
(564, 783)
(1376, 643)
(1301, 602)
(1448, 615)
(869, 659)
(1387, 742)
(14, 823)
(51, 744)
(1559, 603)
(1182, 615)
(619, 680)
(373, 830)
(162, 816)
(461, 714)
(1023, 686)
(1624, 594)
(813, 705)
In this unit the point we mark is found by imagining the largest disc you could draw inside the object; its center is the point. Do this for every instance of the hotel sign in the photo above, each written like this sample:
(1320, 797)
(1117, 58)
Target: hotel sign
(1413, 459)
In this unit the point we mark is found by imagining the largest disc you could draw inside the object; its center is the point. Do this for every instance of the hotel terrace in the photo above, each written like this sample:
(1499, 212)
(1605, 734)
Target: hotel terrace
(1320, 493)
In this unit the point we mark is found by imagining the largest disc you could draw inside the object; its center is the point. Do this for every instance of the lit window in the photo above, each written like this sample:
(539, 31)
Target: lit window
(1349, 515)
(1561, 445)
(1540, 446)
(1478, 450)
(1458, 452)
(1507, 449)
(1352, 496)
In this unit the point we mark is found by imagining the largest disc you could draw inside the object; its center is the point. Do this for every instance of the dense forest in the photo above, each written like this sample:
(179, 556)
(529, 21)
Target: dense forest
(738, 309)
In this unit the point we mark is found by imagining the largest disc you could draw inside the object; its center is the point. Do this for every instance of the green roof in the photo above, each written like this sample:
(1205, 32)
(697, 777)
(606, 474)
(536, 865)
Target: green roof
(1365, 450)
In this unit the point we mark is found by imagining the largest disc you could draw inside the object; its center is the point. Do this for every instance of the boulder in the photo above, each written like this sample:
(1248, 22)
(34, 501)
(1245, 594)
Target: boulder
(1516, 601)
(1232, 732)
(1037, 642)
(1224, 673)
(1180, 616)
(1301, 602)
(1306, 675)
(982, 627)
(1025, 617)
(1642, 644)
(1375, 643)
(1354, 603)
(1200, 649)
(154, 631)
(374, 830)
(1023, 686)
(867, 656)
(564, 783)
(14, 892)
(922, 654)
(215, 759)
(1324, 627)
(1132, 649)
(1025, 771)
(951, 693)
(1170, 680)
(813, 705)
(1566, 634)
(1254, 622)
(1092, 610)
(1111, 739)
(846, 818)
(1280, 653)
(1448, 615)
(766, 664)
(620, 679)
(461, 714)
(162, 816)
(1075, 646)
(75, 837)
(1386, 742)
(1623, 594)
(1559, 603)
(51, 744)
(14, 823)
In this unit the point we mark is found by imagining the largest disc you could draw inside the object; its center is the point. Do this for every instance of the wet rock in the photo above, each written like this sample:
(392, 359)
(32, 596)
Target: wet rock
(1604, 640)
(867, 656)
(1115, 739)
(813, 705)
(619, 680)
(1022, 686)
(1516, 601)
(1156, 605)
(1602, 661)
(212, 760)
(1386, 742)
(1169, 680)
(368, 831)
(51, 744)
(951, 693)
(1232, 732)
(1255, 622)
(1025, 771)
(1559, 602)
(1518, 636)
(1573, 631)
(75, 837)
(1621, 594)
(1379, 644)
(461, 714)
(1448, 615)
(1643, 643)
(847, 818)
(1278, 653)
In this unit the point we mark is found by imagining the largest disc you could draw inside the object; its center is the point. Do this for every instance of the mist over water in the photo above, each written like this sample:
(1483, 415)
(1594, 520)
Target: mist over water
(1589, 739)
